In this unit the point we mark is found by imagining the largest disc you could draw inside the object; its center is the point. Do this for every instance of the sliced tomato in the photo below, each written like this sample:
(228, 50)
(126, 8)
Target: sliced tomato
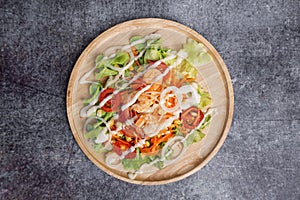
(119, 146)
(113, 104)
(192, 117)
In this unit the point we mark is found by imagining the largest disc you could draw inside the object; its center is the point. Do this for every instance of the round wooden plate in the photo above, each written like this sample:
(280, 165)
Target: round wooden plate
(215, 78)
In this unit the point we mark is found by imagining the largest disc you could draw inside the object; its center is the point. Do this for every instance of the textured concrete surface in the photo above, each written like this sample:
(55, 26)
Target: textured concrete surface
(40, 43)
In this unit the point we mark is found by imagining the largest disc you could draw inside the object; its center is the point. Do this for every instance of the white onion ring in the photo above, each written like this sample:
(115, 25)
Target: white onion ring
(190, 101)
(113, 160)
(172, 143)
(178, 95)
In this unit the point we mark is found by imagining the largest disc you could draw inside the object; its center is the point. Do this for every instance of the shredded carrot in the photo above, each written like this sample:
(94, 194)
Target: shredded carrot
(189, 79)
(174, 79)
(155, 87)
(168, 115)
(134, 51)
(155, 143)
(140, 121)
(137, 63)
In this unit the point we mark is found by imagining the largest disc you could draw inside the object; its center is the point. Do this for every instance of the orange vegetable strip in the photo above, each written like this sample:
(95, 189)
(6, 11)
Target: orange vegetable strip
(134, 51)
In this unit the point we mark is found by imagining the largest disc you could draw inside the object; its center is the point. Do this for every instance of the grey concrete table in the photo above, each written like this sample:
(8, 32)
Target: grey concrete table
(40, 43)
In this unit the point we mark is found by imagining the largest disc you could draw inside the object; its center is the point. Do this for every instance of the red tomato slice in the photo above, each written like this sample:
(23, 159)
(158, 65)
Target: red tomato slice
(192, 117)
(113, 104)
(119, 146)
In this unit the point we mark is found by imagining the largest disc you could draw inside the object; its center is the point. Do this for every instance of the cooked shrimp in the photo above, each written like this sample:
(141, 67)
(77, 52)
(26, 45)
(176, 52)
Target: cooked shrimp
(150, 75)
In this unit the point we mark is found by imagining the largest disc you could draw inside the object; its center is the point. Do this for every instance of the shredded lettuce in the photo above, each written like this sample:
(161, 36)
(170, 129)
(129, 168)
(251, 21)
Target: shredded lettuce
(137, 162)
(141, 60)
(152, 54)
(89, 127)
(139, 47)
(159, 164)
(205, 99)
(94, 90)
(93, 134)
(206, 122)
(108, 116)
(120, 59)
(98, 147)
(155, 51)
(104, 72)
(99, 58)
(94, 130)
(154, 44)
(104, 115)
(196, 136)
(197, 54)
(188, 70)
(170, 61)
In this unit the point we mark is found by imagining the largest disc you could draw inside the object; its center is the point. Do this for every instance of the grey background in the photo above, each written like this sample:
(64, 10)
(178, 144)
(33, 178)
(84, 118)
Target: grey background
(40, 43)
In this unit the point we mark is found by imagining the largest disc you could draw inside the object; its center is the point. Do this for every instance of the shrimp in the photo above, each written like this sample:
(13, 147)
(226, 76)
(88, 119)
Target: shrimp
(145, 101)
(150, 75)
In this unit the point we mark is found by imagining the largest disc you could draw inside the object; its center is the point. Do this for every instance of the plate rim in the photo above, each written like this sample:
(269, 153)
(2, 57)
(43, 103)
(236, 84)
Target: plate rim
(228, 86)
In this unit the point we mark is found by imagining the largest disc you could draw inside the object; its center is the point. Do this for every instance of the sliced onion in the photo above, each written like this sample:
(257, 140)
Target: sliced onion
(178, 95)
(89, 120)
(102, 137)
(113, 160)
(172, 144)
(108, 145)
(191, 100)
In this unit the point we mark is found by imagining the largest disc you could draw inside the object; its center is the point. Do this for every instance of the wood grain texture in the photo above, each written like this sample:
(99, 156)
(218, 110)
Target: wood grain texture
(214, 76)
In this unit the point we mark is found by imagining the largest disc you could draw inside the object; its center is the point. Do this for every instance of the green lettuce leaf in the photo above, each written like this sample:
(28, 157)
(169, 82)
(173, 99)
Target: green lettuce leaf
(104, 72)
(139, 47)
(154, 44)
(196, 136)
(94, 90)
(137, 162)
(205, 99)
(187, 69)
(152, 54)
(99, 58)
(170, 61)
(98, 147)
(206, 122)
(93, 134)
(197, 53)
(120, 59)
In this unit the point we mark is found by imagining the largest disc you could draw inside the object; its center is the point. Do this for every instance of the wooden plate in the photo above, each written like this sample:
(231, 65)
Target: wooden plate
(215, 78)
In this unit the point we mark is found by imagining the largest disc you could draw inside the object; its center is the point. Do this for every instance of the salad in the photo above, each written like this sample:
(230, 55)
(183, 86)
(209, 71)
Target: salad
(146, 105)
